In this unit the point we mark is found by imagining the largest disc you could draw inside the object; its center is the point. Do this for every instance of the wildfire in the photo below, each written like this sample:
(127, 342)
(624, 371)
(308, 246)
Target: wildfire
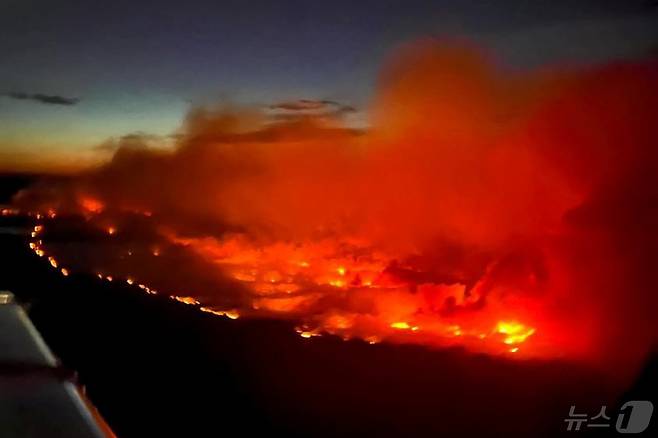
(289, 279)
(480, 210)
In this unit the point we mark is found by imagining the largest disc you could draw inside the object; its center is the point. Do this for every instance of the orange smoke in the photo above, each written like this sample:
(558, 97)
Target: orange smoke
(502, 211)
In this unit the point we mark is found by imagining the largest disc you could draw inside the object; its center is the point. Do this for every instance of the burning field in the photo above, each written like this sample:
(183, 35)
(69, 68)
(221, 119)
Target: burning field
(509, 213)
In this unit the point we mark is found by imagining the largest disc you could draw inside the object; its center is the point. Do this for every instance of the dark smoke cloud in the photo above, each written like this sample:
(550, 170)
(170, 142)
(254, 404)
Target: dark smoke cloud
(48, 99)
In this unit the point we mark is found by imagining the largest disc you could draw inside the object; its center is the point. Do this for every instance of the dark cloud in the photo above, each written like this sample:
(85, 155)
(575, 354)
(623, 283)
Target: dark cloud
(294, 109)
(311, 105)
(48, 99)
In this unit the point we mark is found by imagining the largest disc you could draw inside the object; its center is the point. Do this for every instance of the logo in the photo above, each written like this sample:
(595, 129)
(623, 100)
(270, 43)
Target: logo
(633, 417)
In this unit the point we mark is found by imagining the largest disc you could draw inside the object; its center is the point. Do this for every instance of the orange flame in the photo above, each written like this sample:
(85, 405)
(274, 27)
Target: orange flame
(91, 205)
(289, 279)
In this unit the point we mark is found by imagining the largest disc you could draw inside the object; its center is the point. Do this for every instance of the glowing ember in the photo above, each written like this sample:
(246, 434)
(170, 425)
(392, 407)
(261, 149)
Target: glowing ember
(186, 300)
(232, 314)
(515, 333)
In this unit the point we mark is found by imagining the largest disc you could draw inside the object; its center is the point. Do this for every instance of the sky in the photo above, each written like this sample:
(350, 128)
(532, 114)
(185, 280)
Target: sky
(76, 74)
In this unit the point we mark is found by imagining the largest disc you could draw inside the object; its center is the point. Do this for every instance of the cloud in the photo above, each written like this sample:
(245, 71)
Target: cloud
(311, 105)
(136, 141)
(295, 109)
(48, 99)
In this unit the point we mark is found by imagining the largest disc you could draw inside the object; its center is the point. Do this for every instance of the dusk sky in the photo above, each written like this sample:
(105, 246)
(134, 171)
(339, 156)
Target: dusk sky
(77, 73)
